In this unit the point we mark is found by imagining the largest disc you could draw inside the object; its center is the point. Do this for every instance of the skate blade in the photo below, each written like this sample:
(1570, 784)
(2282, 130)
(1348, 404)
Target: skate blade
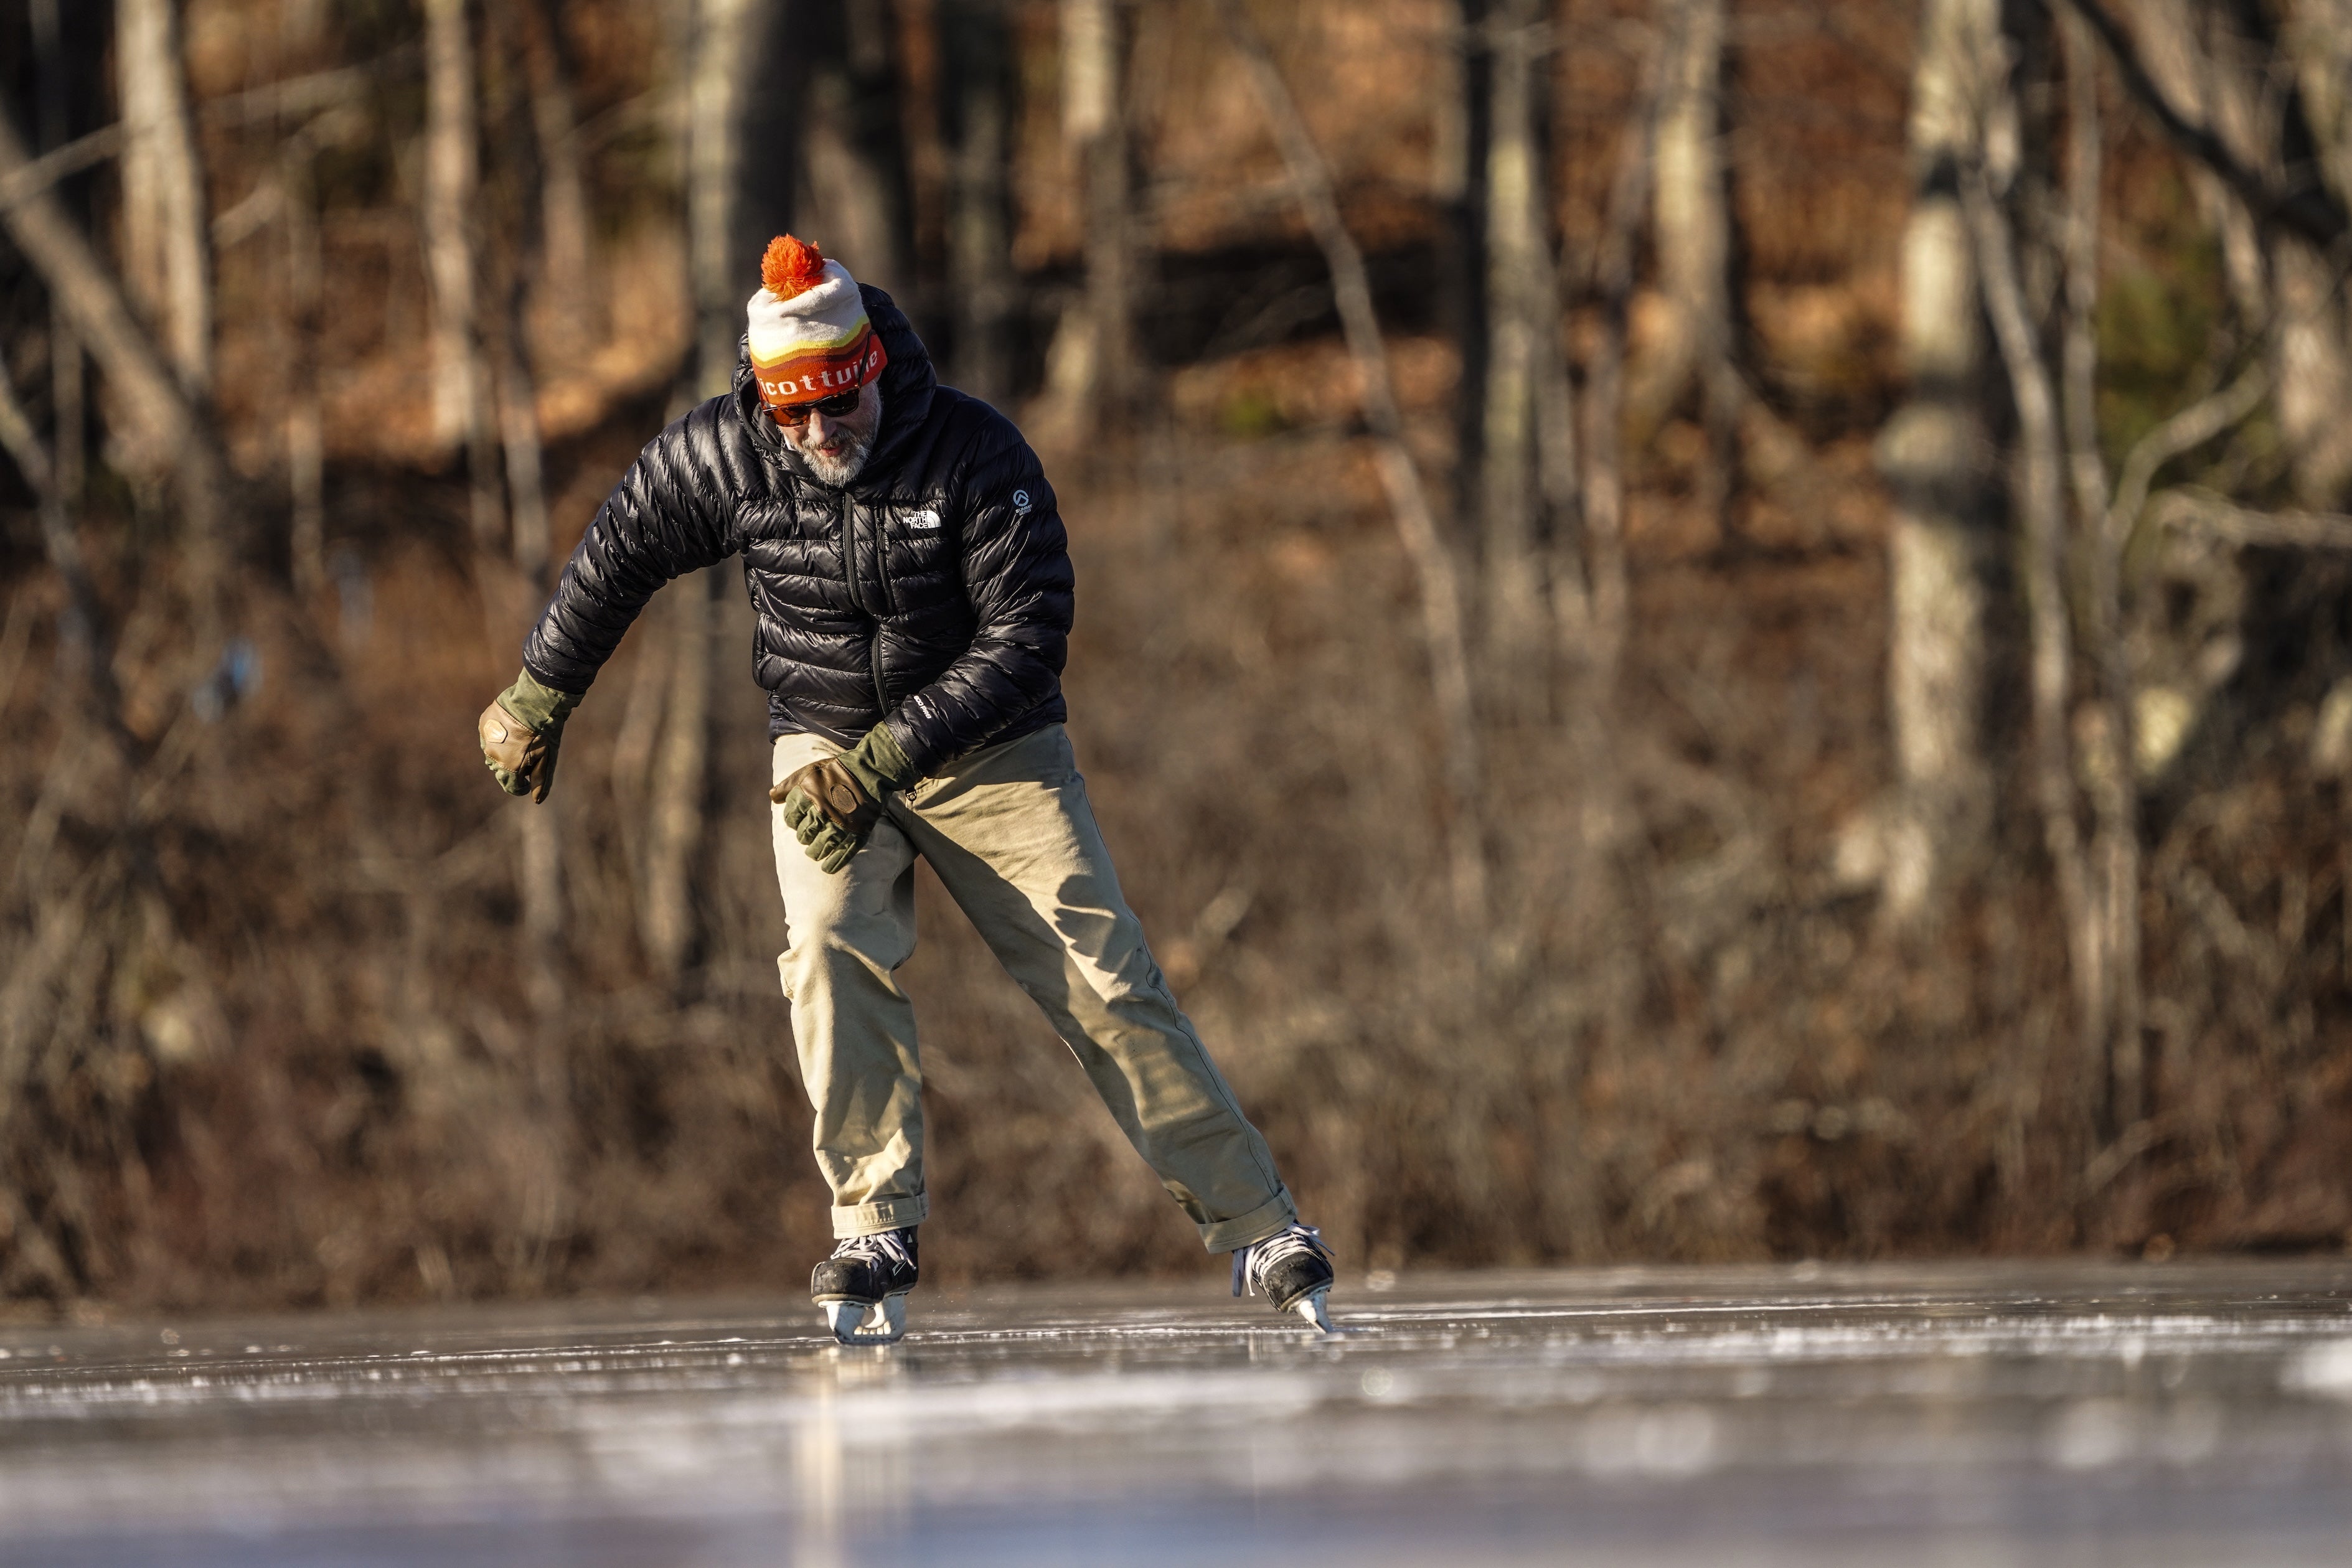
(1311, 1307)
(857, 1323)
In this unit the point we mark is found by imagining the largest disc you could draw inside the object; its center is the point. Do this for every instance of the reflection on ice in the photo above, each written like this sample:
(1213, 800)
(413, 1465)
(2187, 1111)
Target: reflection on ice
(2324, 1368)
(2112, 1413)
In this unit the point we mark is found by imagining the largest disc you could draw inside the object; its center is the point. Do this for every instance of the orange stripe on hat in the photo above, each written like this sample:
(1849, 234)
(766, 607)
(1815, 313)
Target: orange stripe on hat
(804, 376)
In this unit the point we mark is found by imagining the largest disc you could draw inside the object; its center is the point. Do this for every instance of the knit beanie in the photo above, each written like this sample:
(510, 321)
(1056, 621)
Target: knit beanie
(810, 337)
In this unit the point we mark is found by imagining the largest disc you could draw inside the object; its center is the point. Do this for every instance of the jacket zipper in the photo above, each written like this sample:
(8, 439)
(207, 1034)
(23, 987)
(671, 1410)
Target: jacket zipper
(873, 637)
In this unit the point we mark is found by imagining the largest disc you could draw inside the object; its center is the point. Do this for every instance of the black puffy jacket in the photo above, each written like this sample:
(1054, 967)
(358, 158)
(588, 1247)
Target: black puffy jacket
(933, 592)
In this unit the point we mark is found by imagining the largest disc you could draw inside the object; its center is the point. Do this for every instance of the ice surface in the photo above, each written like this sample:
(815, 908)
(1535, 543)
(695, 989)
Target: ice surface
(2182, 1412)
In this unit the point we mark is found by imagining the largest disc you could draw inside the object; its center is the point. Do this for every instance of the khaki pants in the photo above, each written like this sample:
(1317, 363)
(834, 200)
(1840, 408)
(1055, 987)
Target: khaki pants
(1011, 835)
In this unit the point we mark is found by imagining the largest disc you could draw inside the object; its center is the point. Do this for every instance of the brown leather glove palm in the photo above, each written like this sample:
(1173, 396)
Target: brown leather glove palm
(520, 732)
(833, 804)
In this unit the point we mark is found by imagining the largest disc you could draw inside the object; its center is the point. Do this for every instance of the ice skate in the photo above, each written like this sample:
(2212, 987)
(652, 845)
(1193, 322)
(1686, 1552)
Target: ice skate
(1291, 1269)
(862, 1289)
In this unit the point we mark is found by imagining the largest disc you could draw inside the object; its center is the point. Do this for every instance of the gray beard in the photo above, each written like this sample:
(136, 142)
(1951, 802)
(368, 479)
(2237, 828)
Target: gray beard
(838, 470)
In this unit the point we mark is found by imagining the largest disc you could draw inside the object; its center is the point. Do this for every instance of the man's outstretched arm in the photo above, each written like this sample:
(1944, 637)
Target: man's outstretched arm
(661, 521)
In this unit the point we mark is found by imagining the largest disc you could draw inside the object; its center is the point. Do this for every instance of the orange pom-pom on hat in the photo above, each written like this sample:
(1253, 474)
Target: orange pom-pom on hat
(791, 267)
(810, 339)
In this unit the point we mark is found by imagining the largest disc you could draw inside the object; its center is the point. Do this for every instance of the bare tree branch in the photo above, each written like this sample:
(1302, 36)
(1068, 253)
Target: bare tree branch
(1441, 589)
(2042, 504)
(2306, 211)
(2197, 510)
(166, 427)
(2193, 426)
(294, 96)
(85, 618)
(63, 163)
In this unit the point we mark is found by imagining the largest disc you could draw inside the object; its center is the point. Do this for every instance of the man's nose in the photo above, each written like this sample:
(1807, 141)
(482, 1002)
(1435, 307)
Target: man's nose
(820, 429)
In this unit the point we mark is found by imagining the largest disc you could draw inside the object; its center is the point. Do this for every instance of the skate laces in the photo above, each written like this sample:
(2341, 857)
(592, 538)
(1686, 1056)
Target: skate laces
(885, 1246)
(1251, 1263)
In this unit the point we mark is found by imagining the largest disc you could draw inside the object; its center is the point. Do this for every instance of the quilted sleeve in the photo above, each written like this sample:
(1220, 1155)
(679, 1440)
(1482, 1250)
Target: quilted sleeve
(667, 516)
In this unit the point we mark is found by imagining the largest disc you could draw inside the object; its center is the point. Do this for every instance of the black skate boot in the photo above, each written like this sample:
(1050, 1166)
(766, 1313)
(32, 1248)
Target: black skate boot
(1292, 1269)
(862, 1288)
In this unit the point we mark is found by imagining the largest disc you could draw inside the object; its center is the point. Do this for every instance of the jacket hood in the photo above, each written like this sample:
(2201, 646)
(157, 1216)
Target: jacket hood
(908, 382)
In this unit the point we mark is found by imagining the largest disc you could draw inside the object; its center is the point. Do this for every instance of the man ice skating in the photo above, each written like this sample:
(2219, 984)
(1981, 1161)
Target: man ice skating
(912, 587)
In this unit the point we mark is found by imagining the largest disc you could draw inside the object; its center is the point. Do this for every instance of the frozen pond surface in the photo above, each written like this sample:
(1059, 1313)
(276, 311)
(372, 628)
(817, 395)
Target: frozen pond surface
(2183, 1413)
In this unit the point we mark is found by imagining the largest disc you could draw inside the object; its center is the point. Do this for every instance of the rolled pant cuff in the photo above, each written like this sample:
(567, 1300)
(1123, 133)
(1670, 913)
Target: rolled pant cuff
(1227, 1235)
(873, 1219)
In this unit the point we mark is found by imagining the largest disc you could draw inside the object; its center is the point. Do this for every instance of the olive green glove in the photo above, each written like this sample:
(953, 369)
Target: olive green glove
(833, 804)
(520, 732)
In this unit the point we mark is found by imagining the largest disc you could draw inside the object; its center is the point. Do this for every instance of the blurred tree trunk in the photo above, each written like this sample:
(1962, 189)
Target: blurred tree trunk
(300, 26)
(1600, 645)
(1694, 242)
(68, 388)
(1522, 338)
(519, 436)
(508, 241)
(976, 54)
(462, 412)
(1465, 127)
(166, 236)
(569, 290)
(1095, 368)
(2041, 511)
(853, 150)
(530, 143)
(666, 920)
(2220, 64)
(539, 831)
(449, 183)
(726, 52)
(2318, 46)
(519, 247)
(1592, 601)
(305, 429)
(766, 145)
(1597, 917)
(724, 265)
(1568, 567)
(1932, 452)
(2107, 724)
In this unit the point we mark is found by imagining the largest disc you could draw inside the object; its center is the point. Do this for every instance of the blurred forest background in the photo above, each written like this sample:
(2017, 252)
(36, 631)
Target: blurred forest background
(1708, 629)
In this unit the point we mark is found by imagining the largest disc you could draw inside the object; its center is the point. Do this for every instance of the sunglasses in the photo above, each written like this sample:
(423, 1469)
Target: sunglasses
(797, 414)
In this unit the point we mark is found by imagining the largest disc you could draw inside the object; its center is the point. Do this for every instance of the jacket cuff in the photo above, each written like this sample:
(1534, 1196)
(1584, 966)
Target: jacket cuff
(880, 754)
(556, 688)
(537, 704)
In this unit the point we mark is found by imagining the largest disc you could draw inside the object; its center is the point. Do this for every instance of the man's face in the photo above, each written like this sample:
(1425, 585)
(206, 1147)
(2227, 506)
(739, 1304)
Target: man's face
(834, 446)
